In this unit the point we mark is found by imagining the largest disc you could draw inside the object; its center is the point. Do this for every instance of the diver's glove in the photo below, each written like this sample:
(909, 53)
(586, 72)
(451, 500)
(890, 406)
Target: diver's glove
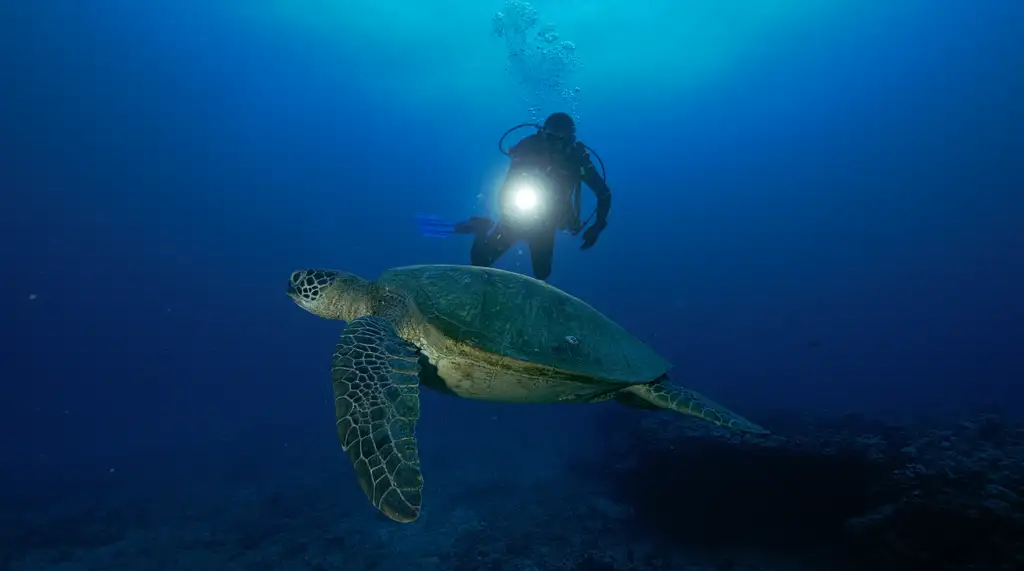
(591, 234)
(475, 225)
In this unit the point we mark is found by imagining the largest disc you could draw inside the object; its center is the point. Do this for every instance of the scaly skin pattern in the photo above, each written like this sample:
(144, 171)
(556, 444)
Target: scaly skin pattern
(376, 403)
(665, 395)
(331, 294)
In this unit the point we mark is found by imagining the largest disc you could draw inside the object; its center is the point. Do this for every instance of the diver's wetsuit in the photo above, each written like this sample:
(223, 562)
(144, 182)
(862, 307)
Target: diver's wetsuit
(564, 167)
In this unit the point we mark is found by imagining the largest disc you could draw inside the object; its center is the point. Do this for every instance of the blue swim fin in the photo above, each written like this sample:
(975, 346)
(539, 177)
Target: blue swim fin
(434, 226)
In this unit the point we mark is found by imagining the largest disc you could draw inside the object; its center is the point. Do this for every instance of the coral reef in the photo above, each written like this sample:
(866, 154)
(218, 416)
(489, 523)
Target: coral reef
(652, 494)
(926, 495)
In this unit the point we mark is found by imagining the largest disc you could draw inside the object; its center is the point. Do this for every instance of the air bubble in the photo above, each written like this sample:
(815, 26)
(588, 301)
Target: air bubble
(538, 60)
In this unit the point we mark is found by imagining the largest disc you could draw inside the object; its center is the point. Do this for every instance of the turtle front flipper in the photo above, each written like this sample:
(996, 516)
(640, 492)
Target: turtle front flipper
(377, 404)
(661, 394)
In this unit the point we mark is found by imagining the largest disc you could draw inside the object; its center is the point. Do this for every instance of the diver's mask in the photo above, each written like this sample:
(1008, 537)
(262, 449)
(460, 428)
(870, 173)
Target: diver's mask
(559, 128)
(558, 137)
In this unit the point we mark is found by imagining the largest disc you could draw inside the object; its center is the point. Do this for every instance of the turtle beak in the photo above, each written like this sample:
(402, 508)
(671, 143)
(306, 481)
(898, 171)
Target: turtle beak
(292, 291)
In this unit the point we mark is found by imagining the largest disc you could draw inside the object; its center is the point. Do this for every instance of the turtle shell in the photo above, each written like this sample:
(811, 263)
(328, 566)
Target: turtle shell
(518, 317)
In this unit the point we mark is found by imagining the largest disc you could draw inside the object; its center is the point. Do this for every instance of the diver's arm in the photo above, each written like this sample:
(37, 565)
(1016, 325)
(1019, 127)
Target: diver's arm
(596, 183)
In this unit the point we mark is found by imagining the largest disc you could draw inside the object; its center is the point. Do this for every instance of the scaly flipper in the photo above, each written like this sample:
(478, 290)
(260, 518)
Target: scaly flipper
(377, 404)
(662, 394)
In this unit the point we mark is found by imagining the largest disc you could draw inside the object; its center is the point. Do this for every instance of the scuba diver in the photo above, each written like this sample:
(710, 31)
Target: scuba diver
(540, 195)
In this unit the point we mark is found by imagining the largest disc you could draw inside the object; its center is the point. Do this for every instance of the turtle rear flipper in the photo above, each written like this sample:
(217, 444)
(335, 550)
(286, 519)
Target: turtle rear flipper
(376, 402)
(661, 394)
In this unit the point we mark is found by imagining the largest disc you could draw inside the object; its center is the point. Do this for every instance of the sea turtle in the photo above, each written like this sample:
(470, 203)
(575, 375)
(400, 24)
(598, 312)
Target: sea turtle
(477, 333)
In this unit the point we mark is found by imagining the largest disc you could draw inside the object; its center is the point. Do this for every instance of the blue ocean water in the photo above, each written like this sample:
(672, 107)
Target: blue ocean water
(817, 218)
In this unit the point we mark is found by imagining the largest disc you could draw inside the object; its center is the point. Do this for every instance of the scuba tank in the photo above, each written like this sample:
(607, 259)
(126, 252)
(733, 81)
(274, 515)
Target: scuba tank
(573, 225)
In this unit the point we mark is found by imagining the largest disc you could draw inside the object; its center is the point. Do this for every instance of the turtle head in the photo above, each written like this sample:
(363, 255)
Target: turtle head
(330, 294)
